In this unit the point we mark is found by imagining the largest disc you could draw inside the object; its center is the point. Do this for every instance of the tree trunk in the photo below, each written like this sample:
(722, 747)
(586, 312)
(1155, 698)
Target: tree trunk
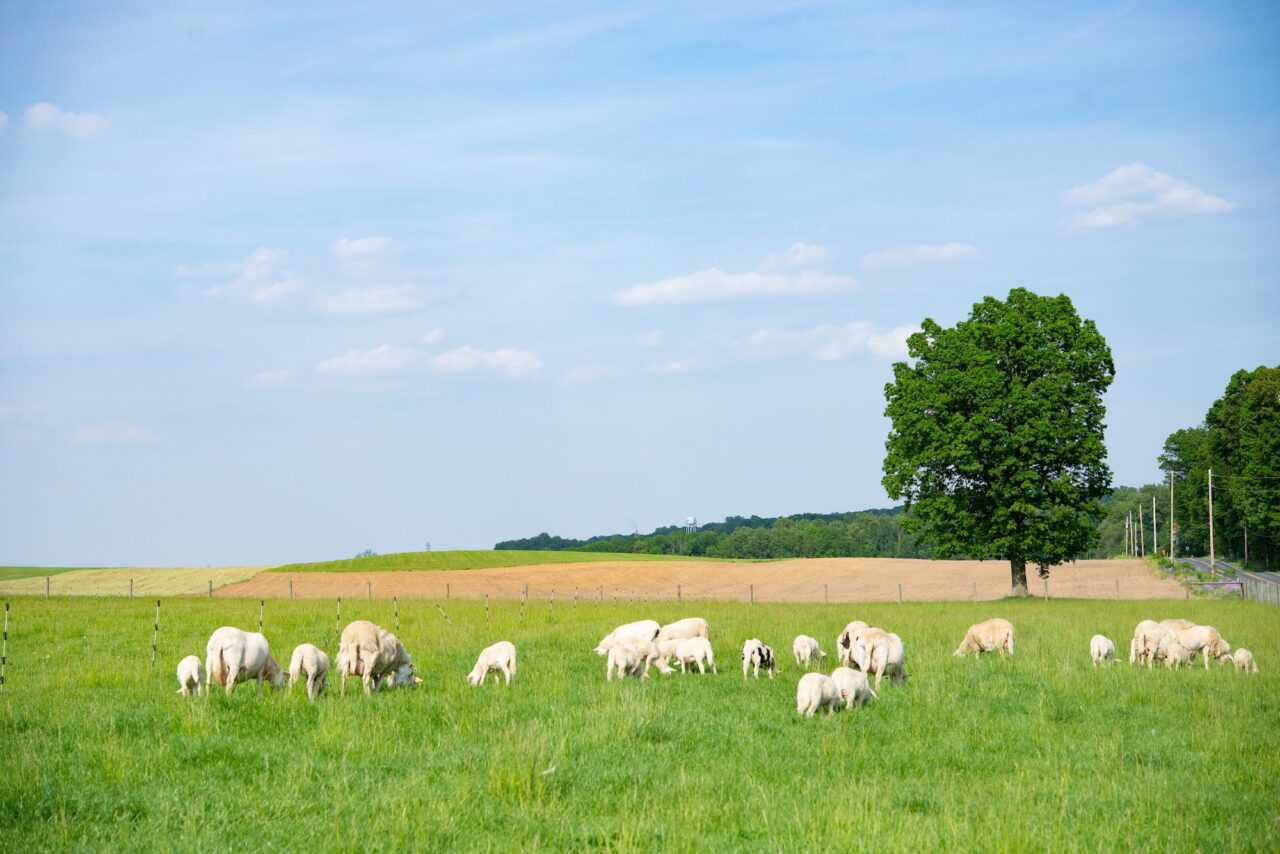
(1019, 567)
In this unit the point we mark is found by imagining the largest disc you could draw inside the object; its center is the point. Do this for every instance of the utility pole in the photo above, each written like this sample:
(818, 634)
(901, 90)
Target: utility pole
(1246, 544)
(1155, 529)
(1212, 563)
(1171, 525)
(1142, 531)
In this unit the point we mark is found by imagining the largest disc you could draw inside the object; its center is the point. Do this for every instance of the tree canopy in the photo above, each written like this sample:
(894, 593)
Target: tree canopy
(996, 443)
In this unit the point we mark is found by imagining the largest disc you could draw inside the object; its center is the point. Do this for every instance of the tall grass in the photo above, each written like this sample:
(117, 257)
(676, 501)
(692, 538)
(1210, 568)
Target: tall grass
(1035, 752)
(480, 559)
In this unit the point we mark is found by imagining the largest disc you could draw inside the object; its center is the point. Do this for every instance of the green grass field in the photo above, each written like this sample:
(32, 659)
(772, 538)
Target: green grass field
(12, 573)
(486, 559)
(1037, 752)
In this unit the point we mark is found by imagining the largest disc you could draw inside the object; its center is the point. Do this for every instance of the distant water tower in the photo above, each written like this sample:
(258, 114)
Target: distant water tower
(690, 524)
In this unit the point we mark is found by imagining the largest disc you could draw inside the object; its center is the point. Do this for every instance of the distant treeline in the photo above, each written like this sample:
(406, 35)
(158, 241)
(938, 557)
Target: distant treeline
(867, 533)
(863, 533)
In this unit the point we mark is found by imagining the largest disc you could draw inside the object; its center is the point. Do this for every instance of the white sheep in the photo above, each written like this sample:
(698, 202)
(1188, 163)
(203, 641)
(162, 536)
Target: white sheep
(880, 652)
(190, 676)
(816, 691)
(311, 662)
(846, 640)
(1102, 650)
(852, 686)
(232, 656)
(757, 654)
(696, 651)
(1202, 639)
(806, 649)
(689, 627)
(995, 635)
(641, 630)
(501, 657)
(1175, 654)
(1243, 660)
(374, 654)
(629, 659)
(1150, 640)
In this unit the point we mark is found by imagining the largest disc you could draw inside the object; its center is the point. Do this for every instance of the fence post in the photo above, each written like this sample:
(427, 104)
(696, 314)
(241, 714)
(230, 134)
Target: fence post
(46, 587)
(1117, 588)
(368, 590)
(210, 588)
(337, 619)
(448, 594)
(679, 594)
(899, 594)
(130, 588)
(261, 604)
(290, 588)
(395, 603)
(4, 650)
(975, 592)
(486, 609)
(1046, 590)
(752, 593)
(599, 593)
(826, 600)
(155, 635)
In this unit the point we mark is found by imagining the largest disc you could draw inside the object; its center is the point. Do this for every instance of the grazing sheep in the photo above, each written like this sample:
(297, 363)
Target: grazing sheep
(501, 656)
(689, 627)
(806, 649)
(190, 676)
(815, 691)
(375, 655)
(1148, 636)
(1202, 639)
(1243, 660)
(852, 686)
(233, 656)
(311, 662)
(1175, 654)
(630, 659)
(995, 635)
(642, 630)
(757, 654)
(880, 652)
(846, 640)
(1102, 650)
(696, 651)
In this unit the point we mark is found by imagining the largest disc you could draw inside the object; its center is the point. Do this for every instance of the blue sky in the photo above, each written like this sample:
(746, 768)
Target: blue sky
(287, 282)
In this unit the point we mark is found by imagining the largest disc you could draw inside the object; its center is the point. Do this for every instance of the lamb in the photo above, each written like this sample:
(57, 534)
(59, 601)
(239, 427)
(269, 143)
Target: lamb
(1175, 654)
(689, 627)
(501, 657)
(311, 662)
(190, 676)
(696, 651)
(994, 635)
(375, 655)
(630, 659)
(806, 649)
(852, 686)
(846, 640)
(757, 654)
(880, 652)
(1202, 639)
(643, 630)
(1102, 650)
(816, 691)
(233, 656)
(1243, 660)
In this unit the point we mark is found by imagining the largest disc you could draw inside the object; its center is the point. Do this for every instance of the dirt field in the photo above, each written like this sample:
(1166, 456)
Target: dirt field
(845, 579)
(115, 582)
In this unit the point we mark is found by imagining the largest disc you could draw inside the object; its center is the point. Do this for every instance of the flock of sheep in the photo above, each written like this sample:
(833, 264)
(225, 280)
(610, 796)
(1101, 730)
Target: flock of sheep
(379, 659)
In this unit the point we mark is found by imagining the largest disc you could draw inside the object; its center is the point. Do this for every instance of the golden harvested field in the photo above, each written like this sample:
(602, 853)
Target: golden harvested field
(115, 582)
(799, 580)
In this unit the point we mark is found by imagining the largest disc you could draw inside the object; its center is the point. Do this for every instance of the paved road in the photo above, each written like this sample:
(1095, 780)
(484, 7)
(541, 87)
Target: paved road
(1202, 564)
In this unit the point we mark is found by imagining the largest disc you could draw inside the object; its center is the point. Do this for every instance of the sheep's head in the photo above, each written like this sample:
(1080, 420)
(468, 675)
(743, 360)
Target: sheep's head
(405, 676)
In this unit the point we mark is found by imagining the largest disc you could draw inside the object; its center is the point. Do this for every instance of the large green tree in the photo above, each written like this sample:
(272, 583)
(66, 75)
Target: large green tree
(996, 445)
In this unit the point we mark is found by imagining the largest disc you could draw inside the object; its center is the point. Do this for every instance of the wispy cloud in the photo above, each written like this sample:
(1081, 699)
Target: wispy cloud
(905, 256)
(797, 255)
(361, 247)
(506, 361)
(259, 278)
(114, 434)
(433, 336)
(383, 359)
(779, 276)
(267, 380)
(1135, 194)
(671, 366)
(651, 339)
(831, 342)
(47, 116)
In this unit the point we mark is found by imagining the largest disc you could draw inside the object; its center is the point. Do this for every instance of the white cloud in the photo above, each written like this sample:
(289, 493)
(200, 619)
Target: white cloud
(46, 116)
(903, 256)
(651, 339)
(716, 285)
(1135, 194)
(114, 434)
(383, 359)
(797, 255)
(671, 366)
(378, 300)
(361, 247)
(506, 361)
(268, 380)
(258, 278)
(831, 342)
(433, 336)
